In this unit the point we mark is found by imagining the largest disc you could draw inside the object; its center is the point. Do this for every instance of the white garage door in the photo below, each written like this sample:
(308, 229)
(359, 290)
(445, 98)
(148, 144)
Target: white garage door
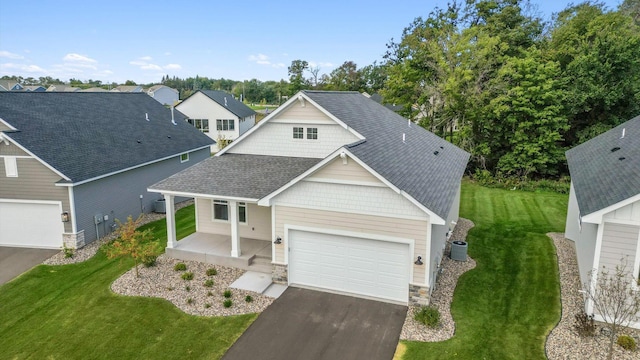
(30, 225)
(358, 266)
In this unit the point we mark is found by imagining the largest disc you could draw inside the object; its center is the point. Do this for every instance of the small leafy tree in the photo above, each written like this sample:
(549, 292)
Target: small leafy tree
(614, 298)
(139, 245)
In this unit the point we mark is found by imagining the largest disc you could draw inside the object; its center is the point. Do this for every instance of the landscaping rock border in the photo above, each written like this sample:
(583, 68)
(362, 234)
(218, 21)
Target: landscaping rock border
(442, 296)
(563, 342)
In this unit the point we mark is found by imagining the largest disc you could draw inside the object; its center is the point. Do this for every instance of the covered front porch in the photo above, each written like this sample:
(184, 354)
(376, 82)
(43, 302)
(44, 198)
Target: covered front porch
(216, 249)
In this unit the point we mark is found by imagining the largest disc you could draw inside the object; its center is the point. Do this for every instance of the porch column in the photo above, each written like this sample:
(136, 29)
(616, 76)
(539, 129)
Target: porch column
(171, 221)
(235, 237)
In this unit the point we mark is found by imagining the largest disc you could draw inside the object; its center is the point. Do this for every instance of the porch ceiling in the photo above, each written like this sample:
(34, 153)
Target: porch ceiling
(236, 175)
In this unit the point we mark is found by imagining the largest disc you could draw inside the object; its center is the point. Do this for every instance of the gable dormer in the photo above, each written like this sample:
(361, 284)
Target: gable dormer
(299, 128)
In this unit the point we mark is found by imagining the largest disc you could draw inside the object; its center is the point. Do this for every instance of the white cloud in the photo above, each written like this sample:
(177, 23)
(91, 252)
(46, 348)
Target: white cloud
(151, 67)
(22, 67)
(144, 64)
(9, 55)
(261, 59)
(146, 58)
(321, 65)
(77, 58)
(172, 67)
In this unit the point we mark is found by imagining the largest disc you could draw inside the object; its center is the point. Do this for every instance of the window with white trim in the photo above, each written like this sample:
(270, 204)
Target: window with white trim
(10, 166)
(184, 157)
(200, 124)
(312, 133)
(298, 133)
(225, 124)
(242, 212)
(220, 210)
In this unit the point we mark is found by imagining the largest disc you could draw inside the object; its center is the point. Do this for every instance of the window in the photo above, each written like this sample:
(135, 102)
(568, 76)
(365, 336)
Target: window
(10, 166)
(220, 210)
(242, 212)
(225, 124)
(184, 157)
(312, 133)
(298, 133)
(200, 124)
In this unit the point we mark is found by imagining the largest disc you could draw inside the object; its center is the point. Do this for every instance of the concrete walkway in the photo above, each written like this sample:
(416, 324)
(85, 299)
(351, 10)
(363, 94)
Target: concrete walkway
(313, 325)
(15, 260)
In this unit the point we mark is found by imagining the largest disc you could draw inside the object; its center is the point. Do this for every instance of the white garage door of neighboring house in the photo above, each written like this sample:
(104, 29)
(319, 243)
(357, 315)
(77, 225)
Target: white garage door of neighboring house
(370, 268)
(35, 225)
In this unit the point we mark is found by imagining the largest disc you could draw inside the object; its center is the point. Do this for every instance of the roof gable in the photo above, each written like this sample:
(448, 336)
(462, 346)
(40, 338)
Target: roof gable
(600, 178)
(87, 135)
(227, 101)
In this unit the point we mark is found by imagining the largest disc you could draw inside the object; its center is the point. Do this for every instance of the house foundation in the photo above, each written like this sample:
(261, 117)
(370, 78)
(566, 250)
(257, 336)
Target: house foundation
(73, 241)
(418, 295)
(280, 274)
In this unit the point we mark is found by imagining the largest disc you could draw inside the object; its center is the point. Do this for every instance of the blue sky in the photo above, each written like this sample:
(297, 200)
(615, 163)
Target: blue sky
(117, 40)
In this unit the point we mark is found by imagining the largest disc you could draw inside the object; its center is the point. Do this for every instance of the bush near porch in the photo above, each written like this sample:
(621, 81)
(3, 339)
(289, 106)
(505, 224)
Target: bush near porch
(69, 312)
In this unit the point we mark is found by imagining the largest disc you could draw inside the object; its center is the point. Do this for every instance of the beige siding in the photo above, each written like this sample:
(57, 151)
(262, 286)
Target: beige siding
(410, 229)
(304, 114)
(11, 150)
(351, 171)
(257, 227)
(618, 241)
(3, 127)
(34, 182)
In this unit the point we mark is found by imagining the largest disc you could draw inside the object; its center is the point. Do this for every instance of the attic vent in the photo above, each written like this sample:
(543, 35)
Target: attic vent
(615, 149)
(621, 158)
(139, 141)
(436, 152)
(168, 136)
(441, 147)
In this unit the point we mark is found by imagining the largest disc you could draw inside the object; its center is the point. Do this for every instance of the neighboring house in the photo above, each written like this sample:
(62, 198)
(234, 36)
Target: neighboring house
(94, 89)
(35, 88)
(128, 88)
(73, 163)
(603, 217)
(218, 114)
(331, 191)
(10, 85)
(62, 88)
(164, 94)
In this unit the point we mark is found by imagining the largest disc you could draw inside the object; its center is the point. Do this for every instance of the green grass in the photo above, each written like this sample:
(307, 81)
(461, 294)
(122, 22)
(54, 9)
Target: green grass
(69, 312)
(507, 305)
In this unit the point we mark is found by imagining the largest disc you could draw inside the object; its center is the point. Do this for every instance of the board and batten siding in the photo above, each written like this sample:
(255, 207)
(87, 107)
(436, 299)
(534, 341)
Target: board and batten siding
(258, 224)
(118, 196)
(365, 224)
(35, 182)
(618, 241)
(275, 137)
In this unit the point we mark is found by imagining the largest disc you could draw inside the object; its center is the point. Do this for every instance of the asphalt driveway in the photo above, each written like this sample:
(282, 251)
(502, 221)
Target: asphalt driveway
(15, 260)
(313, 325)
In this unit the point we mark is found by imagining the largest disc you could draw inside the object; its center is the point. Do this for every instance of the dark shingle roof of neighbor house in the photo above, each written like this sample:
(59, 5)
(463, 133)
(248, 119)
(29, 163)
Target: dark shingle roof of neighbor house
(236, 175)
(600, 179)
(84, 135)
(424, 165)
(233, 105)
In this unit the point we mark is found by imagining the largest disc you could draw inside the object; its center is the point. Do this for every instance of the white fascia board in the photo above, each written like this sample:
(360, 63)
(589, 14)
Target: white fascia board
(131, 168)
(204, 196)
(596, 216)
(282, 108)
(11, 127)
(7, 136)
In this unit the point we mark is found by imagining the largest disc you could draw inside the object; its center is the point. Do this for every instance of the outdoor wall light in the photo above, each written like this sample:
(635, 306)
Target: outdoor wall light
(278, 240)
(419, 261)
(65, 216)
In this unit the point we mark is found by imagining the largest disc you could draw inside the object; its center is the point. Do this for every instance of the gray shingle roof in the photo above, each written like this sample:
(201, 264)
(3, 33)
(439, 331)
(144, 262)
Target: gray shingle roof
(233, 105)
(236, 175)
(84, 135)
(412, 165)
(599, 178)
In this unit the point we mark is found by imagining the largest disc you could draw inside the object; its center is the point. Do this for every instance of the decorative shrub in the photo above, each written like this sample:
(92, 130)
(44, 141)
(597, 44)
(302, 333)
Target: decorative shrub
(149, 260)
(180, 267)
(68, 252)
(208, 283)
(212, 271)
(248, 298)
(227, 303)
(584, 325)
(227, 293)
(187, 276)
(428, 315)
(626, 342)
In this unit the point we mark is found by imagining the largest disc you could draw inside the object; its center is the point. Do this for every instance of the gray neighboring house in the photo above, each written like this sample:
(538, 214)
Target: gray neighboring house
(72, 163)
(603, 216)
(331, 191)
(218, 114)
(164, 94)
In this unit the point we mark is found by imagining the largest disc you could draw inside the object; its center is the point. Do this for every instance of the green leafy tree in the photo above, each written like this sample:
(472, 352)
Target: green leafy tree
(296, 71)
(133, 243)
(346, 77)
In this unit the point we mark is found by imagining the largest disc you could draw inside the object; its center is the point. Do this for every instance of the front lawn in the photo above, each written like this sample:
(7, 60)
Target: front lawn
(507, 305)
(69, 312)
